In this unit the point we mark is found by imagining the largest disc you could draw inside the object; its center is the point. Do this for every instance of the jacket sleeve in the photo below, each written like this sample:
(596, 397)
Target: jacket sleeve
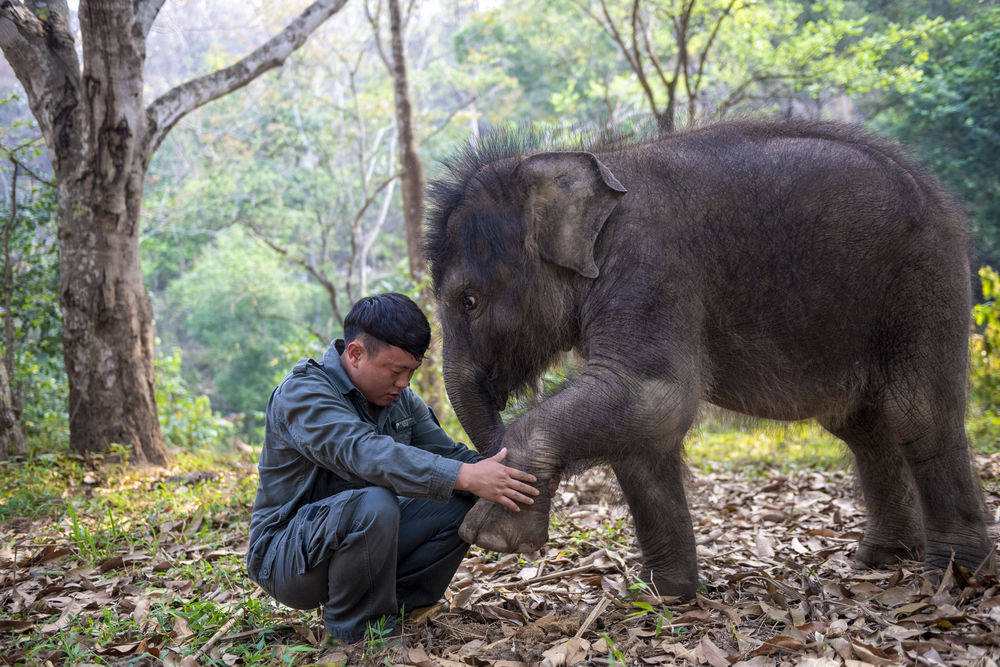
(327, 431)
(428, 434)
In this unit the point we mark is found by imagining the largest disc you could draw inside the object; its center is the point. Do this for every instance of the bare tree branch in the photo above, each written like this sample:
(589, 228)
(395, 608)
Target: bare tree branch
(375, 20)
(711, 40)
(26, 169)
(145, 14)
(451, 115)
(741, 91)
(310, 268)
(631, 54)
(165, 111)
(41, 52)
(668, 82)
(10, 342)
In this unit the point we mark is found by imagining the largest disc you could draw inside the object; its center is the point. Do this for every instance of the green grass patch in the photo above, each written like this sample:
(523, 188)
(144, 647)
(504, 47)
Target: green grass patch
(722, 440)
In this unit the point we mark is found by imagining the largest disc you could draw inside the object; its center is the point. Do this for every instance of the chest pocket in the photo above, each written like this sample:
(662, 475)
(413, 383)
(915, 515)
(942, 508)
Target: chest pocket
(403, 427)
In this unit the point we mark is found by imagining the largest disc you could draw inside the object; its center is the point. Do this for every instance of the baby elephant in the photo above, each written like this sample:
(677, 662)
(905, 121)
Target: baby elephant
(786, 270)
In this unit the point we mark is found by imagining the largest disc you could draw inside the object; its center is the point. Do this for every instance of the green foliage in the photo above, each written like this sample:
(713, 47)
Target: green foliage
(984, 370)
(34, 486)
(559, 61)
(545, 62)
(231, 312)
(186, 421)
(950, 117)
(39, 378)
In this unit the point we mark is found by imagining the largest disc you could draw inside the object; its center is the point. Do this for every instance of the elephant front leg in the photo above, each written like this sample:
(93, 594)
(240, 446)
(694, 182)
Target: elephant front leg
(495, 527)
(654, 488)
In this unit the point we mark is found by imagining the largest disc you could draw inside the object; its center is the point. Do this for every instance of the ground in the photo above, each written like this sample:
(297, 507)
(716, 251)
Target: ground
(105, 564)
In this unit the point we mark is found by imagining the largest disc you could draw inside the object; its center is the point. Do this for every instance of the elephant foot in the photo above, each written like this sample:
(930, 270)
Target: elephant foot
(968, 553)
(672, 585)
(495, 527)
(875, 555)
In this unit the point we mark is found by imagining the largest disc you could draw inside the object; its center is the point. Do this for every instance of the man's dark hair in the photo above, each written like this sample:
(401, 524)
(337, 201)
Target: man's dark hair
(389, 318)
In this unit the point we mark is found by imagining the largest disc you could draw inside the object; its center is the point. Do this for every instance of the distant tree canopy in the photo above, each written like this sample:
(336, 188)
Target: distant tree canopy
(951, 119)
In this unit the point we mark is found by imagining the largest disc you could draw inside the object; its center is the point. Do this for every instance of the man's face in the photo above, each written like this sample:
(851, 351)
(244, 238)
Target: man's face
(381, 377)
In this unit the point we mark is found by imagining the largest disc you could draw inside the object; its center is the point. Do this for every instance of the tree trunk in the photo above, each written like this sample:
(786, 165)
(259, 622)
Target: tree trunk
(101, 140)
(11, 436)
(412, 186)
(107, 314)
(107, 326)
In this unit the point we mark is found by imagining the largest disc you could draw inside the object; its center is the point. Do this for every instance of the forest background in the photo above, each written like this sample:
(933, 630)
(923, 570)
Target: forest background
(268, 211)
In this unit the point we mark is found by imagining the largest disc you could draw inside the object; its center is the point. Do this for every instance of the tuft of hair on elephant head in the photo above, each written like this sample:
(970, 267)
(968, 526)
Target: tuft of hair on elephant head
(783, 269)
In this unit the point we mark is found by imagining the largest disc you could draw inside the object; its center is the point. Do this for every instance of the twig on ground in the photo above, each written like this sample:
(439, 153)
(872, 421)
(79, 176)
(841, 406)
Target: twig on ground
(592, 616)
(546, 577)
(226, 627)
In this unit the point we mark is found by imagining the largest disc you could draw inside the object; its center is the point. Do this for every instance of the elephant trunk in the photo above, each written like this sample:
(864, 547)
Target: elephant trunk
(474, 399)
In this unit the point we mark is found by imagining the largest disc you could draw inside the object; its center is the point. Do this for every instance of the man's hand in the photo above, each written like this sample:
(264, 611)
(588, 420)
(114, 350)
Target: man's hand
(492, 480)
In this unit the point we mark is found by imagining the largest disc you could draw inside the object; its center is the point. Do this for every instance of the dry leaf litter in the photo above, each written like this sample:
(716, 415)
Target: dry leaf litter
(778, 587)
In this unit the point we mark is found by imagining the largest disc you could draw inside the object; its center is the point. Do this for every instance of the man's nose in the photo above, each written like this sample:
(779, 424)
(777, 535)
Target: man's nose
(402, 383)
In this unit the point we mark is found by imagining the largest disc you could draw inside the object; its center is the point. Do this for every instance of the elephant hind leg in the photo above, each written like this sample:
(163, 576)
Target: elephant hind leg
(894, 529)
(932, 440)
(654, 488)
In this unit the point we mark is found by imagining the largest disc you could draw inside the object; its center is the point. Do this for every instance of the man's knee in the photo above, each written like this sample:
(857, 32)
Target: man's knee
(374, 508)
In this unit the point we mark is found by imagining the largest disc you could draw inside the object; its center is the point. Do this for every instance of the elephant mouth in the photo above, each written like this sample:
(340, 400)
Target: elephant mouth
(497, 394)
(500, 400)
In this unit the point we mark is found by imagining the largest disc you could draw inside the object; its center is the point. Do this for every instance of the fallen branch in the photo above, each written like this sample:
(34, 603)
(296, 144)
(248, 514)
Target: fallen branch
(591, 617)
(226, 627)
(545, 577)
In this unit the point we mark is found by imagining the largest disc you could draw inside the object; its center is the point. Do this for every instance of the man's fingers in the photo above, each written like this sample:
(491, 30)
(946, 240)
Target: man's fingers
(508, 503)
(499, 456)
(519, 497)
(524, 488)
(521, 475)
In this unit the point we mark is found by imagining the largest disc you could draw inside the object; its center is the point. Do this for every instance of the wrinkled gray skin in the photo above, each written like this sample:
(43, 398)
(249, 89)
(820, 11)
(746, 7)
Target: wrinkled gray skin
(782, 270)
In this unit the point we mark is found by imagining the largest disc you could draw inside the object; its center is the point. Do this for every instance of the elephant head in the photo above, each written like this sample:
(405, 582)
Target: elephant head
(507, 242)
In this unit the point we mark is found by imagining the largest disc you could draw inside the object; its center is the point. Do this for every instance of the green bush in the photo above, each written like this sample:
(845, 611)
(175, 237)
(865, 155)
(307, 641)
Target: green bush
(186, 421)
(984, 364)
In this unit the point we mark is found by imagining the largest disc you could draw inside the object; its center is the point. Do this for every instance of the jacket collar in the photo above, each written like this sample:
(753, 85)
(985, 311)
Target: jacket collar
(334, 369)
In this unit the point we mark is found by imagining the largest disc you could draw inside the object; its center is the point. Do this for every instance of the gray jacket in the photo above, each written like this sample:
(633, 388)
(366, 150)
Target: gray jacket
(320, 440)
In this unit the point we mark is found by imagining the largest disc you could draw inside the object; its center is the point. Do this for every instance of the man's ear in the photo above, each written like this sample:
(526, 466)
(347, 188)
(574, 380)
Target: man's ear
(355, 350)
(570, 196)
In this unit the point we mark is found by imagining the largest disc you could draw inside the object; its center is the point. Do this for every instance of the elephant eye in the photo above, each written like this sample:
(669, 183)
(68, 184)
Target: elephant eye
(469, 302)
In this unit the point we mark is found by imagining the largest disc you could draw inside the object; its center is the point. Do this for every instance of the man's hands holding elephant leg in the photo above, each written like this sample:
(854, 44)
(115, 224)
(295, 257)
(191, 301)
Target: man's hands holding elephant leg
(491, 480)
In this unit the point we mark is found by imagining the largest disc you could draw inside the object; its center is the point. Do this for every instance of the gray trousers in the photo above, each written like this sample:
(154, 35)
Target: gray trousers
(365, 554)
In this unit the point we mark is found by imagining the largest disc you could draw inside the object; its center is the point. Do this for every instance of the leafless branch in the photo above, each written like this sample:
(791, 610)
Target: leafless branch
(711, 40)
(166, 110)
(371, 198)
(451, 116)
(631, 54)
(740, 92)
(310, 268)
(40, 50)
(683, 28)
(375, 20)
(8, 283)
(668, 82)
(26, 169)
(145, 13)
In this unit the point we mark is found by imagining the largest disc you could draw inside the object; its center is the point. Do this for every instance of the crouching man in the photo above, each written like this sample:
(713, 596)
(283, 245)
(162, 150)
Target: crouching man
(360, 491)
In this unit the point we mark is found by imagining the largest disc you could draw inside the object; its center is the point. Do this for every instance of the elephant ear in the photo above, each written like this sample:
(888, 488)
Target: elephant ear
(570, 196)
